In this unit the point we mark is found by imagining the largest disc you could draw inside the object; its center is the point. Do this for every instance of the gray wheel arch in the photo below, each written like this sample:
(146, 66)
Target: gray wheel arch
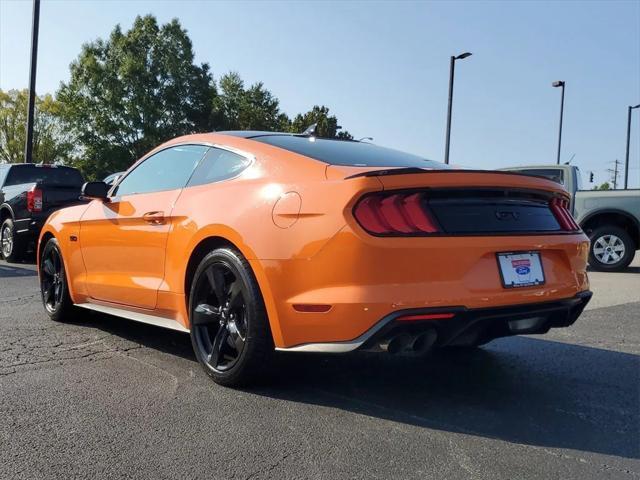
(5, 212)
(615, 214)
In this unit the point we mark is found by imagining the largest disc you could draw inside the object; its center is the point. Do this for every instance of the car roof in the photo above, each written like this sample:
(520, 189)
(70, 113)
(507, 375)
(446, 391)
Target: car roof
(252, 133)
(32, 165)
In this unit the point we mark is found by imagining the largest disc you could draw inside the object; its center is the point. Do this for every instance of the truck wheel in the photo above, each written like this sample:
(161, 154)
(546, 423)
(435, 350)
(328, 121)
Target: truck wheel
(612, 249)
(11, 245)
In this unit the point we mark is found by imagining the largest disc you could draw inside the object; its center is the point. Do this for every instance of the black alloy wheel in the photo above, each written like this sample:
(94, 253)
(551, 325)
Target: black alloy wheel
(51, 275)
(229, 327)
(53, 283)
(220, 317)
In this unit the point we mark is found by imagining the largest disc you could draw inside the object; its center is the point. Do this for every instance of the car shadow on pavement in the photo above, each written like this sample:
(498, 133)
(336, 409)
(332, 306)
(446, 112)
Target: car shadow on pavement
(11, 271)
(625, 270)
(521, 390)
(155, 338)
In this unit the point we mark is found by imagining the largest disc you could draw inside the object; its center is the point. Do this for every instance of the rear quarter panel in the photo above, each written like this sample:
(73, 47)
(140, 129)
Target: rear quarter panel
(281, 207)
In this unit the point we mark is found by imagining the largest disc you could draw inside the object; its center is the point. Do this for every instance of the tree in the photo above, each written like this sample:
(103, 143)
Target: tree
(237, 108)
(327, 126)
(256, 108)
(133, 91)
(139, 88)
(604, 186)
(50, 140)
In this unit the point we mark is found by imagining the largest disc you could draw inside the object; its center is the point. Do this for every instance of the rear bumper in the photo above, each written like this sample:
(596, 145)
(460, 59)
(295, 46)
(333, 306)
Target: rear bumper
(362, 279)
(466, 326)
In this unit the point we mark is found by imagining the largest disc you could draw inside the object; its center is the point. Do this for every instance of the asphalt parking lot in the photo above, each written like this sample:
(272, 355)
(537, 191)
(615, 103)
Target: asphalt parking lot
(107, 398)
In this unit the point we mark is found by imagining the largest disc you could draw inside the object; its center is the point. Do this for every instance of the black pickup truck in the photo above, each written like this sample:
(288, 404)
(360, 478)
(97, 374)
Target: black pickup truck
(29, 193)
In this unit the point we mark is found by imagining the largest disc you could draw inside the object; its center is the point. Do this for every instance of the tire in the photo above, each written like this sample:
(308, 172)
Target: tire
(54, 288)
(12, 245)
(230, 331)
(611, 250)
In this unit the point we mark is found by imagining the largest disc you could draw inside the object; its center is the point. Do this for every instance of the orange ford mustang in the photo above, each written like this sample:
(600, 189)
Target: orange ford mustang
(252, 241)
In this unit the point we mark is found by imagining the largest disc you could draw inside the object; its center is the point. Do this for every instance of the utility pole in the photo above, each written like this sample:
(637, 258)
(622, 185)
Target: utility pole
(561, 84)
(452, 67)
(28, 147)
(626, 159)
(614, 173)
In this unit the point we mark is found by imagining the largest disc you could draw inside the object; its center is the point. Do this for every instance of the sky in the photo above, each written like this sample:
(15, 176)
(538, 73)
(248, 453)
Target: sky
(383, 67)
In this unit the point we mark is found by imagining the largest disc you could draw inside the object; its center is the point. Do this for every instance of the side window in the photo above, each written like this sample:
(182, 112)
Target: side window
(218, 165)
(168, 169)
(3, 174)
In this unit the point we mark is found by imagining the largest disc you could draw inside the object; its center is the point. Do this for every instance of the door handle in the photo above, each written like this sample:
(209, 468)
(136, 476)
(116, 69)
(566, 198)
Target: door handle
(155, 218)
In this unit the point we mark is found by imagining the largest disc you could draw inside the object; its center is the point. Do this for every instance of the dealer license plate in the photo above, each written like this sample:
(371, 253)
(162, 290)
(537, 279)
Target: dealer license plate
(520, 269)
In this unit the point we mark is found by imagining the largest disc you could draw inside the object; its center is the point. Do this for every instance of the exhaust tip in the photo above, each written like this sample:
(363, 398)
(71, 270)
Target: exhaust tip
(526, 325)
(406, 342)
(399, 343)
(425, 341)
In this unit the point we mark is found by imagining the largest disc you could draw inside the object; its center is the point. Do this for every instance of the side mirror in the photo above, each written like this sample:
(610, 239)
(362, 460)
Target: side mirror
(95, 190)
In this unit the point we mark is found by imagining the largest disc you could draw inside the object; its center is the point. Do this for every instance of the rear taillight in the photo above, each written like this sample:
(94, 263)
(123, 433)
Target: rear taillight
(560, 209)
(34, 200)
(395, 214)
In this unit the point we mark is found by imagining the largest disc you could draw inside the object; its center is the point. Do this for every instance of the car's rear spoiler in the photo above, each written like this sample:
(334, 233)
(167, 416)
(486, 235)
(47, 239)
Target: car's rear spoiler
(412, 170)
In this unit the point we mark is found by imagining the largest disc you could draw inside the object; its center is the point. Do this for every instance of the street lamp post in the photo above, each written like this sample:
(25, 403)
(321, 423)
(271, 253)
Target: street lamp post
(560, 83)
(28, 146)
(626, 158)
(451, 72)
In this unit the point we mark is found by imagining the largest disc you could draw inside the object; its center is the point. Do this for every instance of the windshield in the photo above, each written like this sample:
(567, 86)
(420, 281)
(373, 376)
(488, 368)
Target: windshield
(349, 153)
(60, 176)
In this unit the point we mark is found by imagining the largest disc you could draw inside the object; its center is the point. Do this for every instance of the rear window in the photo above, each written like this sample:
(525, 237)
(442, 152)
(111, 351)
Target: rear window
(349, 153)
(58, 176)
(551, 173)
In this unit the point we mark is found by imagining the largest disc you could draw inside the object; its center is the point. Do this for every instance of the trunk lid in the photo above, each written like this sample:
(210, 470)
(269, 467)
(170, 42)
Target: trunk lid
(58, 196)
(468, 202)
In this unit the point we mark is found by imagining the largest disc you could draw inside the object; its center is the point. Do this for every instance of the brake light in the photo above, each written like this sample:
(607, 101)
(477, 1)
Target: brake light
(395, 214)
(34, 200)
(560, 209)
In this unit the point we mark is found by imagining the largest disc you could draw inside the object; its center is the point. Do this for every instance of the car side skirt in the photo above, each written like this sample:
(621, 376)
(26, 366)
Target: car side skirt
(136, 316)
